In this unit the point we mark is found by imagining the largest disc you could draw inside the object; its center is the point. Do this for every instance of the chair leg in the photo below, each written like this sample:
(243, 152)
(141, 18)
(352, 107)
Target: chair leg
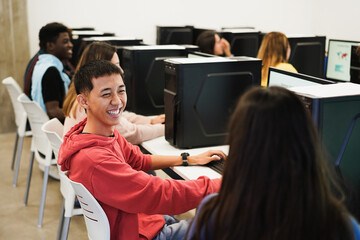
(14, 153)
(65, 231)
(17, 166)
(61, 222)
(43, 195)
(29, 178)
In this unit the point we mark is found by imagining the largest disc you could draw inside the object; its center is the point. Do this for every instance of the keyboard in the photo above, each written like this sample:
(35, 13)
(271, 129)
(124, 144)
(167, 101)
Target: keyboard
(217, 166)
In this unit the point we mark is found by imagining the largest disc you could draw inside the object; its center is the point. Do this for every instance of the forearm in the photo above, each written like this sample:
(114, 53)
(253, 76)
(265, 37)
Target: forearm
(53, 111)
(57, 113)
(160, 162)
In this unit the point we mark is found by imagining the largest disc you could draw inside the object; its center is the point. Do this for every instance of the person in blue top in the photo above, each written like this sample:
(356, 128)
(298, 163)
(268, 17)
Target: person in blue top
(276, 184)
(49, 81)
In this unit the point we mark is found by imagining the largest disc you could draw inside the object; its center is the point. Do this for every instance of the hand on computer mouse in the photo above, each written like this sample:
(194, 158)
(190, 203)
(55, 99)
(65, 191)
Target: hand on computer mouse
(206, 157)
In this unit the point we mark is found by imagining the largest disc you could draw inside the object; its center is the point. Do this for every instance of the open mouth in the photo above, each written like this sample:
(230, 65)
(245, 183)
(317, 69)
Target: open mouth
(114, 112)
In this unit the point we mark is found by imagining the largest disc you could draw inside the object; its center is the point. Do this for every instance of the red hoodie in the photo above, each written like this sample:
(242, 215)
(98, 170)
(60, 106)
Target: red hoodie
(113, 170)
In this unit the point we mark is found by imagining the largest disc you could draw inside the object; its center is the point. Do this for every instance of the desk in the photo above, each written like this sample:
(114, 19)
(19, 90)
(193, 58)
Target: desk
(159, 146)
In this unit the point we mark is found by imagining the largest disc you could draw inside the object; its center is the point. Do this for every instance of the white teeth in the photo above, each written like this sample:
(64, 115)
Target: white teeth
(114, 112)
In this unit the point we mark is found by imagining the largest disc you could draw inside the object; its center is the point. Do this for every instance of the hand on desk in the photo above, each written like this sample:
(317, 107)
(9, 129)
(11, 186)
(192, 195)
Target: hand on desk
(158, 119)
(206, 157)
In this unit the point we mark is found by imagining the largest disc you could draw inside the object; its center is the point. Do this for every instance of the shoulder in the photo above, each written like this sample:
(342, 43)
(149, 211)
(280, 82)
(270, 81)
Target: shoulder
(355, 227)
(206, 199)
(286, 67)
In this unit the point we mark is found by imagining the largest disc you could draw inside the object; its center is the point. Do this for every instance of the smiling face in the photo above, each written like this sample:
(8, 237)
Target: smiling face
(62, 47)
(104, 104)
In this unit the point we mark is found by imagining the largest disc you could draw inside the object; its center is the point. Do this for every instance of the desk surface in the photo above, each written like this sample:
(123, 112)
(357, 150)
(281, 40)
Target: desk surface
(159, 146)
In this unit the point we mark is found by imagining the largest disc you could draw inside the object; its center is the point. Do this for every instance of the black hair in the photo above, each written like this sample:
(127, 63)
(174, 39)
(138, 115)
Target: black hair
(50, 32)
(94, 69)
(206, 41)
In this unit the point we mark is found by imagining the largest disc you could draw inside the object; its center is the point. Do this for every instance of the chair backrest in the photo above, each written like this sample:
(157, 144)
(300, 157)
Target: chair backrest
(15, 91)
(53, 130)
(97, 223)
(37, 117)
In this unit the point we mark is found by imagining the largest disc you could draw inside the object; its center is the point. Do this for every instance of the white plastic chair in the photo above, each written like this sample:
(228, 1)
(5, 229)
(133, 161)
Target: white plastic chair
(97, 223)
(54, 129)
(40, 148)
(14, 91)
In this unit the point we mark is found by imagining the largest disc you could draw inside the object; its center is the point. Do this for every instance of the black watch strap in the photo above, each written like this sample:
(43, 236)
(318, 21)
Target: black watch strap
(184, 156)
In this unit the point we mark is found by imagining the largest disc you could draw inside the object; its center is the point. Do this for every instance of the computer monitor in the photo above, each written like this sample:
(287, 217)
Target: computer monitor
(174, 35)
(278, 77)
(198, 31)
(355, 64)
(200, 95)
(116, 41)
(78, 35)
(308, 54)
(243, 41)
(339, 60)
(144, 76)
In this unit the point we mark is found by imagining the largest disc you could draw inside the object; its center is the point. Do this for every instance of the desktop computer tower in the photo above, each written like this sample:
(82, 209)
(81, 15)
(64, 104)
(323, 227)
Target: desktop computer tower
(174, 35)
(334, 108)
(118, 42)
(333, 114)
(308, 54)
(145, 77)
(77, 37)
(200, 95)
(243, 42)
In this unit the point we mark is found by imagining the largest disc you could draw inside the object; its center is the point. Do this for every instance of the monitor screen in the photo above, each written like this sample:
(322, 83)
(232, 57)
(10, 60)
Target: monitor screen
(287, 79)
(339, 60)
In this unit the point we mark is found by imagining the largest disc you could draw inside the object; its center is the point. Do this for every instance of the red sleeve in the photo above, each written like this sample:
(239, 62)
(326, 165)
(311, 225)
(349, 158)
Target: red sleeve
(134, 157)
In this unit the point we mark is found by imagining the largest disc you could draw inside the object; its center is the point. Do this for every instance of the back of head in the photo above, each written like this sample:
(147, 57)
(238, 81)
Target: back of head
(96, 51)
(275, 183)
(94, 69)
(273, 50)
(206, 41)
(50, 32)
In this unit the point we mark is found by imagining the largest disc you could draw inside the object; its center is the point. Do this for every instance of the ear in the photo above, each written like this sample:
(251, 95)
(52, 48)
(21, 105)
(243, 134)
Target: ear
(82, 100)
(50, 46)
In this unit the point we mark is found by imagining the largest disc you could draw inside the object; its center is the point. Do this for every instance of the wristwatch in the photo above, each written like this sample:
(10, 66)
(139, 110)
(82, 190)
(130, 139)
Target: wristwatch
(184, 156)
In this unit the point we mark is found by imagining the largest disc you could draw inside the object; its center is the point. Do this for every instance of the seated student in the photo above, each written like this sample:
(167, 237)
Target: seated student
(113, 170)
(275, 182)
(274, 52)
(210, 42)
(134, 128)
(49, 82)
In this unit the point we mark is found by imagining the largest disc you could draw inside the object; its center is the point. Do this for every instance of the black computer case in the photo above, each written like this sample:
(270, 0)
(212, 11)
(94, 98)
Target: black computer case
(200, 95)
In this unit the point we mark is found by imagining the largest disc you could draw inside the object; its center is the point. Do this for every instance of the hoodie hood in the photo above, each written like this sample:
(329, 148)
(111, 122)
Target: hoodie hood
(75, 140)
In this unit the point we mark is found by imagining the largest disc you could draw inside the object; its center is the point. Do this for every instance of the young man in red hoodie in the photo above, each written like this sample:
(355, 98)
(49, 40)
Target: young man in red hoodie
(113, 170)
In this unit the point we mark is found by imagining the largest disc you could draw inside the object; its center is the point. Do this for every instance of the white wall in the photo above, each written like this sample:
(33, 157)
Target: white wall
(337, 19)
(138, 18)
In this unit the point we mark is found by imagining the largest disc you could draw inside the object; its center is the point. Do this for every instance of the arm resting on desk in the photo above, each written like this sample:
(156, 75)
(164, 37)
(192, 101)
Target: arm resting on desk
(159, 162)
